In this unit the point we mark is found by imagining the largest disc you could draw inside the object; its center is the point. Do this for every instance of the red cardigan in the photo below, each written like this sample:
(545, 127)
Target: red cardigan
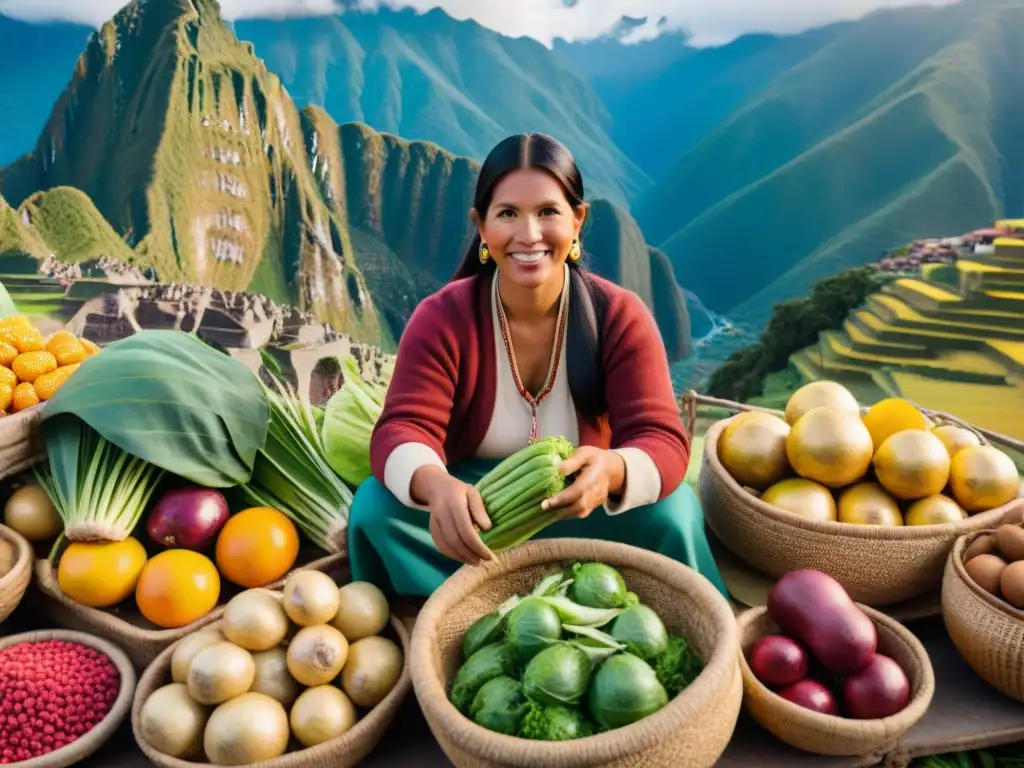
(442, 390)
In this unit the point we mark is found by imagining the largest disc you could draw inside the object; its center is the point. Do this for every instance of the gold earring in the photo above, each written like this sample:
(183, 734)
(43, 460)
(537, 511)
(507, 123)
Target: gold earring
(575, 251)
(485, 253)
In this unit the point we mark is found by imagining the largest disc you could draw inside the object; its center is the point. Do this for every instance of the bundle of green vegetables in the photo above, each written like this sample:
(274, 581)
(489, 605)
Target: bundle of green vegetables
(292, 472)
(155, 403)
(513, 491)
(348, 423)
(578, 655)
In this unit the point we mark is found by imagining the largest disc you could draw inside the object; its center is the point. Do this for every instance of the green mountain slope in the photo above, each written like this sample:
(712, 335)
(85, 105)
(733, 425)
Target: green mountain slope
(906, 125)
(195, 153)
(430, 77)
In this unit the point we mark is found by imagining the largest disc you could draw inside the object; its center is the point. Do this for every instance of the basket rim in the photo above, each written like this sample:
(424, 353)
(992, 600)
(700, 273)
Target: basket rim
(23, 561)
(319, 752)
(896, 723)
(46, 581)
(835, 528)
(430, 685)
(92, 740)
(956, 557)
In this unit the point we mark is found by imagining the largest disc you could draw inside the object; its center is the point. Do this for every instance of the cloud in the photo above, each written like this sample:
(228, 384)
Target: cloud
(708, 22)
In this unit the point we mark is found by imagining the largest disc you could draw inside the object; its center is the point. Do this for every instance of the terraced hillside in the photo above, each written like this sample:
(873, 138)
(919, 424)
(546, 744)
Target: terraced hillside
(951, 340)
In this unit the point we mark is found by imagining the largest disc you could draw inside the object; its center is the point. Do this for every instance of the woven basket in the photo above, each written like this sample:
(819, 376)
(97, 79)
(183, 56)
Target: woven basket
(345, 751)
(988, 631)
(85, 745)
(828, 734)
(876, 565)
(123, 625)
(691, 730)
(20, 443)
(14, 583)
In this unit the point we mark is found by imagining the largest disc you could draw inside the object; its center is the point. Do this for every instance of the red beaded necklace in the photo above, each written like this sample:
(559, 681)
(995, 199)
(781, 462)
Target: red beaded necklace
(534, 401)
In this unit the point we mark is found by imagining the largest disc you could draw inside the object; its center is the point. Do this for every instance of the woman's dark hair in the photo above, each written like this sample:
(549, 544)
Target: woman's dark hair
(588, 303)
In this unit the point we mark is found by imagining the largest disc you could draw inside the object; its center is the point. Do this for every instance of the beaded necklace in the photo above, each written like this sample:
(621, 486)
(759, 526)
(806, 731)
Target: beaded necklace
(534, 401)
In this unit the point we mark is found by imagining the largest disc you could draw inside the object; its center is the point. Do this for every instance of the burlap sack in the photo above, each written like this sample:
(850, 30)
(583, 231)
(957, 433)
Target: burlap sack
(14, 583)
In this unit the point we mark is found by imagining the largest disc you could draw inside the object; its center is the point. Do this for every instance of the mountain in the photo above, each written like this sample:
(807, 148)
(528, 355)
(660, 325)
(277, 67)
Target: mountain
(430, 77)
(175, 148)
(61, 220)
(906, 124)
(35, 60)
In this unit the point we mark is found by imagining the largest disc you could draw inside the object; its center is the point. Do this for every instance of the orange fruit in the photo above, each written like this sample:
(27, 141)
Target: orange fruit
(177, 587)
(887, 417)
(257, 547)
(101, 574)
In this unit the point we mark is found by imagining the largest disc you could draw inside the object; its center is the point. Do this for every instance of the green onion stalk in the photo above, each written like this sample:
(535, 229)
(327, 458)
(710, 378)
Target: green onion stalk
(100, 492)
(292, 474)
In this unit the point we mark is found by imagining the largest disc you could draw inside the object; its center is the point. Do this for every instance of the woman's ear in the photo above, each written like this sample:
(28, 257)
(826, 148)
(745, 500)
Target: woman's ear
(580, 215)
(477, 221)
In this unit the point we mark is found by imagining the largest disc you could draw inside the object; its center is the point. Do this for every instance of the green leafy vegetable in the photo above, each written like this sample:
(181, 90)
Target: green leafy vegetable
(499, 705)
(489, 662)
(99, 491)
(580, 615)
(554, 723)
(292, 473)
(531, 627)
(597, 585)
(487, 629)
(678, 666)
(349, 419)
(625, 689)
(557, 675)
(642, 631)
(164, 397)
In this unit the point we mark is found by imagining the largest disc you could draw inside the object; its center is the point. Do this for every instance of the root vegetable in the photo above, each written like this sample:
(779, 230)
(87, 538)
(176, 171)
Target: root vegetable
(254, 620)
(310, 597)
(75, 688)
(320, 714)
(373, 667)
(189, 647)
(30, 512)
(246, 730)
(219, 672)
(317, 654)
(273, 678)
(362, 611)
(173, 722)
(189, 518)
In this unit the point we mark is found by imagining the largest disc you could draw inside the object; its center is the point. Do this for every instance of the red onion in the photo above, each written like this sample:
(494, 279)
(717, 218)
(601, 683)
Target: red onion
(188, 518)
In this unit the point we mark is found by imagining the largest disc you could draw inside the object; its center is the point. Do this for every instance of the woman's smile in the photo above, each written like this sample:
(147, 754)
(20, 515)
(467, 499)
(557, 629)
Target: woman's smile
(530, 258)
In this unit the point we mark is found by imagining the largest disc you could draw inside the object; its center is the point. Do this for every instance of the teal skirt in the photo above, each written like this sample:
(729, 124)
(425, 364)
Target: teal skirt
(390, 545)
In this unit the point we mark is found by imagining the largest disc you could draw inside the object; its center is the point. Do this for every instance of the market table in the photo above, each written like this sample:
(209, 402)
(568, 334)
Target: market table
(966, 713)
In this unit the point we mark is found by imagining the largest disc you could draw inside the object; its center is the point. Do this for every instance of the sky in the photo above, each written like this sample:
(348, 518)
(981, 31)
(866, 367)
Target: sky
(707, 22)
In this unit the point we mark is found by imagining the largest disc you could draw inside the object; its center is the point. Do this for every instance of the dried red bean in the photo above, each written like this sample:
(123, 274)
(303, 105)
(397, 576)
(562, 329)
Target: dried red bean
(54, 691)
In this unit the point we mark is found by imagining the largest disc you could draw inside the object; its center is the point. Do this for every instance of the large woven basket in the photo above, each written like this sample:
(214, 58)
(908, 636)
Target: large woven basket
(141, 640)
(828, 734)
(345, 751)
(988, 631)
(14, 583)
(691, 730)
(20, 443)
(876, 565)
(85, 745)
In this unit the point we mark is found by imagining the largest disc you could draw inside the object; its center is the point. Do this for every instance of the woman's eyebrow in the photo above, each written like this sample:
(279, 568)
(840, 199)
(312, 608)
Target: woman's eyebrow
(514, 207)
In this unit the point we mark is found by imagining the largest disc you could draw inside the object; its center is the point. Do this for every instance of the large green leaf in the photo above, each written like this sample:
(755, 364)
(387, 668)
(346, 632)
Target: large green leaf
(171, 400)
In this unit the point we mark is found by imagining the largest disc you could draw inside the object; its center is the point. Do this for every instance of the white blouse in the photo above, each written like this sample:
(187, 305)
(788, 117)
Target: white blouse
(509, 431)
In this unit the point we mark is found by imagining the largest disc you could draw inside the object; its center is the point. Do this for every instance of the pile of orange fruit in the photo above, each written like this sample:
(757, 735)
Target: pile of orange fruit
(176, 587)
(33, 368)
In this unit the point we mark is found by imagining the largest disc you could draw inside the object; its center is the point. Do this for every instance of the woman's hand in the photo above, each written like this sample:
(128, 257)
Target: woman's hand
(601, 474)
(454, 508)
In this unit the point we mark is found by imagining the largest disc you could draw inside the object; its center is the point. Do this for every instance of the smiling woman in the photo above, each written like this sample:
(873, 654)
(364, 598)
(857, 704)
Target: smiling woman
(524, 343)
